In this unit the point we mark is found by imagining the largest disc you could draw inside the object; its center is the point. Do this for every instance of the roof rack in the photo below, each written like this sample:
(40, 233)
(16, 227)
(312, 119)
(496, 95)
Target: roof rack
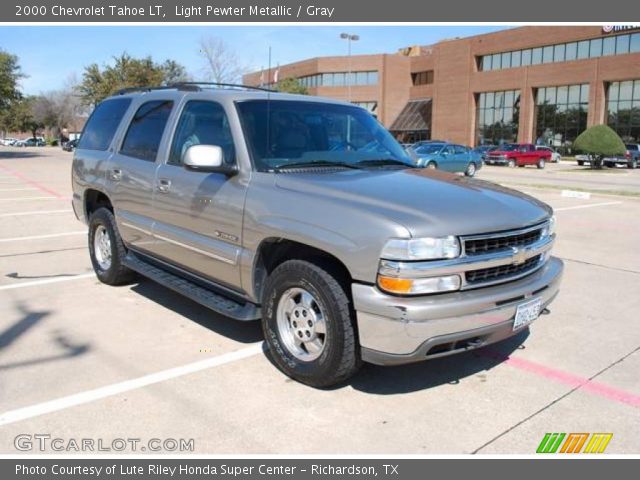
(220, 84)
(189, 87)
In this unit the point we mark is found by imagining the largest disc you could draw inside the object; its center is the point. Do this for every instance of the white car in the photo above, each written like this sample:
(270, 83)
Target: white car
(7, 142)
(555, 156)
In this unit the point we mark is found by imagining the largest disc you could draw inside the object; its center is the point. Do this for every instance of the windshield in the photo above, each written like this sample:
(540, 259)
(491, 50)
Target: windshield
(431, 148)
(283, 133)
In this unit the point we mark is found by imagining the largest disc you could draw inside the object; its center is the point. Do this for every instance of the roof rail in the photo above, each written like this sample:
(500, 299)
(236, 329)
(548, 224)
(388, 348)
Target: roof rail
(220, 84)
(176, 86)
(190, 87)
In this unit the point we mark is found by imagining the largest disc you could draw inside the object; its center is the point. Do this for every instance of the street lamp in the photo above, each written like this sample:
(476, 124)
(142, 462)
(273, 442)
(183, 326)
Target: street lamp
(349, 38)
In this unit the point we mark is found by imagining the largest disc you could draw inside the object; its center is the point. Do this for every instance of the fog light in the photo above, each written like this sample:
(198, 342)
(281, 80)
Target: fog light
(418, 286)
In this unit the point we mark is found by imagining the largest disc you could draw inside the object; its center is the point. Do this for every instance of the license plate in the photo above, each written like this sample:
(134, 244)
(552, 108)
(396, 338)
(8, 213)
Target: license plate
(527, 313)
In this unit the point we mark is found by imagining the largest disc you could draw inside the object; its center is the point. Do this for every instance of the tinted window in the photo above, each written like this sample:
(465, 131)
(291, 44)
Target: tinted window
(583, 49)
(146, 130)
(609, 46)
(102, 125)
(595, 49)
(460, 149)
(202, 123)
(536, 56)
(571, 51)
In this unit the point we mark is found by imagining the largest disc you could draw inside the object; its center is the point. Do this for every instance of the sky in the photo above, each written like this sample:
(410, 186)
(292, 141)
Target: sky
(51, 55)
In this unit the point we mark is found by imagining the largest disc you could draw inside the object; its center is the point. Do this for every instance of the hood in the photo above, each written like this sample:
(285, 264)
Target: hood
(426, 202)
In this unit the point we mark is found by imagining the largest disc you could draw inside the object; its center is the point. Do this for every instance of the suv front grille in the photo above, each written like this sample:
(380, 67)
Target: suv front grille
(494, 274)
(476, 246)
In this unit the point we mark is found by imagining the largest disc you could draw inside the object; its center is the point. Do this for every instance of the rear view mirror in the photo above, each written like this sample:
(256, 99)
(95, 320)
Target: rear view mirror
(207, 158)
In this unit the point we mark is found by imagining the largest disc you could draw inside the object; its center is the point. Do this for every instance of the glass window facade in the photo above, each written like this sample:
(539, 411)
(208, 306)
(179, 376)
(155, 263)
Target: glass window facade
(623, 109)
(562, 52)
(340, 79)
(561, 114)
(497, 117)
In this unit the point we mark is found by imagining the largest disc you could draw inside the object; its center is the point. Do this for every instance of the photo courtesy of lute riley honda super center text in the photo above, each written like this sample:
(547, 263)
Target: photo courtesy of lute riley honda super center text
(186, 11)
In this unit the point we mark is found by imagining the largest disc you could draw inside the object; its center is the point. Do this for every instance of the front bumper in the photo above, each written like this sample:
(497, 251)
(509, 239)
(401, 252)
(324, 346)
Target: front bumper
(496, 161)
(396, 330)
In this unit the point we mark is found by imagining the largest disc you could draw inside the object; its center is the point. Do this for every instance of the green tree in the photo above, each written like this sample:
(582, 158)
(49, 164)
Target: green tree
(22, 117)
(126, 72)
(599, 141)
(10, 75)
(291, 85)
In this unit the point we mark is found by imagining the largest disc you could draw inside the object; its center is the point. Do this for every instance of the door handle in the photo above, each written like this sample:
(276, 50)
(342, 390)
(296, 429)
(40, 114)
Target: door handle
(116, 174)
(164, 185)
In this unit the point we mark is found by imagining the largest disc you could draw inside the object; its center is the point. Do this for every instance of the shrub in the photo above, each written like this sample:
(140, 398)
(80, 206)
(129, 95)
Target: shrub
(600, 140)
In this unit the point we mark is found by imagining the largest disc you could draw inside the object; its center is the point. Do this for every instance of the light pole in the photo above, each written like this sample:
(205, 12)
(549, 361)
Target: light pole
(349, 38)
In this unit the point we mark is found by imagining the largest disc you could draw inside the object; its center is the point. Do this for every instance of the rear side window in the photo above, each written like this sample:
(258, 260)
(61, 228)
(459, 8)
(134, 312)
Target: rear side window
(632, 147)
(102, 125)
(146, 129)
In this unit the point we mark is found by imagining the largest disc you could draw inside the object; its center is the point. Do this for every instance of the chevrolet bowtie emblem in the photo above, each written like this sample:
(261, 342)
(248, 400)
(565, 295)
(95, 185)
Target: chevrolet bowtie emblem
(519, 256)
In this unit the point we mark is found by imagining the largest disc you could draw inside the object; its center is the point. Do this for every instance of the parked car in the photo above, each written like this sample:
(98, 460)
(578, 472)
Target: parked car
(518, 154)
(31, 142)
(71, 145)
(426, 142)
(237, 200)
(448, 157)
(630, 159)
(7, 142)
(555, 155)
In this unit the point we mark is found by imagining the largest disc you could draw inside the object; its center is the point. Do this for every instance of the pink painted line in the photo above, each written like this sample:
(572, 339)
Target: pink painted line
(33, 183)
(596, 388)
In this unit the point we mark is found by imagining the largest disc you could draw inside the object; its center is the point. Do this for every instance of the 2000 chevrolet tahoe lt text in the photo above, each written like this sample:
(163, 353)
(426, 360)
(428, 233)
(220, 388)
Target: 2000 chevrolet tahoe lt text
(306, 213)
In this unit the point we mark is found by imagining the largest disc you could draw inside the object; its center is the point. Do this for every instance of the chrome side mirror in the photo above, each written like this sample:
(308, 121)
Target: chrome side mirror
(207, 158)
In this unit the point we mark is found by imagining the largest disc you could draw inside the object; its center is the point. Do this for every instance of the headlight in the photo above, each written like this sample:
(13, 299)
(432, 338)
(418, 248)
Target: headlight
(421, 248)
(418, 286)
(550, 227)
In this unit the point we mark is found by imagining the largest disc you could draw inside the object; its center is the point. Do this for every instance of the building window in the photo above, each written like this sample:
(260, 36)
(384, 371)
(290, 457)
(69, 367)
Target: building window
(562, 52)
(623, 109)
(561, 114)
(339, 79)
(422, 78)
(497, 117)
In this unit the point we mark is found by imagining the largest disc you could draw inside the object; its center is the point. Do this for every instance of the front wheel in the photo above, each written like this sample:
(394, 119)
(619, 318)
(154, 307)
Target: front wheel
(540, 163)
(308, 324)
(511, 163)
(633, 164)
(471, 170)
(431, 165)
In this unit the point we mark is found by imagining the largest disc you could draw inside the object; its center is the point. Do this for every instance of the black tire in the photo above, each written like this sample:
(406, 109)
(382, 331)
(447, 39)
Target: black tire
(340, 357)
(471, 170)
(432, 165)
(633, 164)
(580, 162)
(117, 273)
(540, 163)
(511, 163)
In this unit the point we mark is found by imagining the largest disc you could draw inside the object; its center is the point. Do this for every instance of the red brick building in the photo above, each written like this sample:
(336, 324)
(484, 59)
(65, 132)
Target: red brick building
(541, 84)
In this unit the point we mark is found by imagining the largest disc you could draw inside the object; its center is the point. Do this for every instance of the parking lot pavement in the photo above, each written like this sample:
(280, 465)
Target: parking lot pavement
(79, 359)
(567, 175)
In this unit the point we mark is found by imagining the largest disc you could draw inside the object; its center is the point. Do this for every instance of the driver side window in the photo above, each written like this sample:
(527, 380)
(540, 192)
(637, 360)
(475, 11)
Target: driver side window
(202, 123)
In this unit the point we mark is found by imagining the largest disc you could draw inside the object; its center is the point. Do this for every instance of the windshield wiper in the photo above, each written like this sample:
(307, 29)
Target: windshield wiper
(317, 163)
(384, 162)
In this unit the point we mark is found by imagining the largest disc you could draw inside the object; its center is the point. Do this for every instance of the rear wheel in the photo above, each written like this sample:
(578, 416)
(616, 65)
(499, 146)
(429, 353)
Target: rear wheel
(471, 170)
(511, 163)
(633, 164)
(541, 163)
(308, 324)
(431, 165)
(106, 249)
(580, 162)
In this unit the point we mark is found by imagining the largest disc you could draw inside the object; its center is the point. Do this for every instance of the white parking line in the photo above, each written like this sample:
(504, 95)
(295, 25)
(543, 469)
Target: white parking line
(128, 385)
(39, 212)
(27, 198)
(46, 281)
(38, 237)
(577, 207)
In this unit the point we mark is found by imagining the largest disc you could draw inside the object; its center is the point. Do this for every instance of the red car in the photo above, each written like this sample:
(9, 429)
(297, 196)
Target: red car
(518, 154)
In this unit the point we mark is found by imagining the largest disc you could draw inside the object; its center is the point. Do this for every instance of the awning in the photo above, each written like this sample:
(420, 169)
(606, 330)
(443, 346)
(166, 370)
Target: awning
(416, 115)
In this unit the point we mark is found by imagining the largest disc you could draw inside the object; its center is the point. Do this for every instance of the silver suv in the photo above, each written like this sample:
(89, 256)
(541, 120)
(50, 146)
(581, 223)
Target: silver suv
(305, 213)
